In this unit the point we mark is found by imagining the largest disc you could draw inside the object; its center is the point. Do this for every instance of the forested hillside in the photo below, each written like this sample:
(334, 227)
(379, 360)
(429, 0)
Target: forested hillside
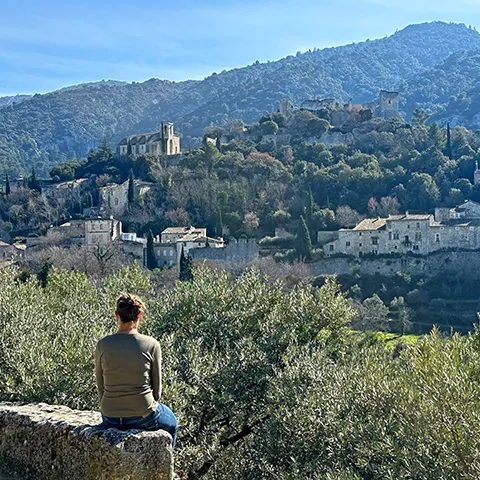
(52, 128)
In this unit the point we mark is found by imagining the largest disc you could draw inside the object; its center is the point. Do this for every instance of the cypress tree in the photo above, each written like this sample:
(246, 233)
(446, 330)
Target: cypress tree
(218, 144)
(43, 273)
(33, 181)
(448, 150)
(303, 244)
(131, 188)
(309, 208)
(186, 268)
(151, 260)
(219, 224)
(7, 185)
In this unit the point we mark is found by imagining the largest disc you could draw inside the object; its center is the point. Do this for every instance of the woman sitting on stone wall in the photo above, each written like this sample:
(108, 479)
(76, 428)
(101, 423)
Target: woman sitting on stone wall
(128, 372)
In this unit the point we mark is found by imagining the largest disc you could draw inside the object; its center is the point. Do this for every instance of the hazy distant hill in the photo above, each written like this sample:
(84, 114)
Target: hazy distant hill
(51, 128)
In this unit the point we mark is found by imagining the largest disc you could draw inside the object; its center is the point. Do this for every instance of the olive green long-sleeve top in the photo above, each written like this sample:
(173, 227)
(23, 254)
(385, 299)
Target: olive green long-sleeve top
(128, 373)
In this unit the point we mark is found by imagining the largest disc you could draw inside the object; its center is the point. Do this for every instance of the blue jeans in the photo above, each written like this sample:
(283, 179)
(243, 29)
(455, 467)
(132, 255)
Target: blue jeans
(161, 419)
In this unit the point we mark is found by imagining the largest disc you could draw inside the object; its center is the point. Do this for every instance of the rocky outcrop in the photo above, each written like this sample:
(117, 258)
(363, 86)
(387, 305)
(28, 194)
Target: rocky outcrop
(56, 443)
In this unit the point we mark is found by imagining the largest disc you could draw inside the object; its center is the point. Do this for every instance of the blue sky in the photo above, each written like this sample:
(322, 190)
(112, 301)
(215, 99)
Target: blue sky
(46, 45)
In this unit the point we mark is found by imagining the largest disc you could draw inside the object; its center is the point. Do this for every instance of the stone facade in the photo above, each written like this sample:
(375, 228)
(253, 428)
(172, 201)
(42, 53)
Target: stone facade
(389, 104)
(172, 234)
(90, 232)
(163, 142)
(403, 234)
(174, 240)
(53, 442)
(74, 189)
(286, 107)
(114, 197)
(166, 254)
(316, 105)
(241, 251)
(469, 210)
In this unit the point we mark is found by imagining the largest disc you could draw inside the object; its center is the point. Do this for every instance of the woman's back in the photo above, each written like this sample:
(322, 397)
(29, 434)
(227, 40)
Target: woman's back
(129, 374)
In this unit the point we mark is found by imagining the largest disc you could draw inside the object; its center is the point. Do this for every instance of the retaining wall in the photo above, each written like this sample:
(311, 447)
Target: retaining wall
(49, 442)
(427, 266)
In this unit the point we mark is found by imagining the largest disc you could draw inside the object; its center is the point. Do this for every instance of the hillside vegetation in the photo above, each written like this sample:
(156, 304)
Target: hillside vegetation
(49, 129)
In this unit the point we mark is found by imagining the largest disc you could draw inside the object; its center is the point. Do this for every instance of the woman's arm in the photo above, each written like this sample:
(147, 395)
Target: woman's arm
(99, 373)
(157, 372)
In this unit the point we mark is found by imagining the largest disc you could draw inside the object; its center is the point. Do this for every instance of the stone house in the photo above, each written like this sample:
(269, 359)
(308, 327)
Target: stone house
(72, 189)
(163, 142)
(166, 254)
(172, 234)
(175, 239)
(468, 210)
(407, 233)
(114, 197)
(90, 232)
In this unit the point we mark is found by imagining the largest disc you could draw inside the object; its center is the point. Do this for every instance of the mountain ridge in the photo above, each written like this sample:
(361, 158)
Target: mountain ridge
(53, 127)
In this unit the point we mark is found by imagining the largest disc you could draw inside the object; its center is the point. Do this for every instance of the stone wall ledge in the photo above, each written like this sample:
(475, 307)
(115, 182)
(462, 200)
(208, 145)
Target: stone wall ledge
(53, 442)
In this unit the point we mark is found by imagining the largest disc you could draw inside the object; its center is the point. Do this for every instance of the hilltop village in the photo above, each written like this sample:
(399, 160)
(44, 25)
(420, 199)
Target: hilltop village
(328, 186)
(319, 121)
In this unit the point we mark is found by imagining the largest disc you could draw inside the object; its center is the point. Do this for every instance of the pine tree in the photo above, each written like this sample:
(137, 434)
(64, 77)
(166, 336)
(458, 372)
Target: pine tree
(186, 268)
(303, 243)
(7, 185)
(448, 150)
(131, 188)
(151, 260)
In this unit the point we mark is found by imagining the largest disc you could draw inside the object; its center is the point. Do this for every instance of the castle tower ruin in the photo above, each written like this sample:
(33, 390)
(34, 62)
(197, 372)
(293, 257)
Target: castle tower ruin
(389, 104)
(476, 174)
(286, 107)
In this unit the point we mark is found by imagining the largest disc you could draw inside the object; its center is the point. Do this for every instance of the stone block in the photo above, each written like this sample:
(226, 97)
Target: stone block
(51, 442)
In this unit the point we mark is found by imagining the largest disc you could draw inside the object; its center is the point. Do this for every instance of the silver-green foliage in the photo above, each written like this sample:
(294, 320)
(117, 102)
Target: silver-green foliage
(266, 383)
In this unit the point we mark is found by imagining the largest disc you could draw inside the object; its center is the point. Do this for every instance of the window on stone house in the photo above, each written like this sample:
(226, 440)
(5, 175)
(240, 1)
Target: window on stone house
(418, 224)
(389, 235)
(437, 237)
(418, 236)
(116, 201)
(332, 248)
(360, 234)
(374, 240)
(164, 253)
(359, 244)
(375, 252)
(171, 253)
(347, 244)
(396, 236)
